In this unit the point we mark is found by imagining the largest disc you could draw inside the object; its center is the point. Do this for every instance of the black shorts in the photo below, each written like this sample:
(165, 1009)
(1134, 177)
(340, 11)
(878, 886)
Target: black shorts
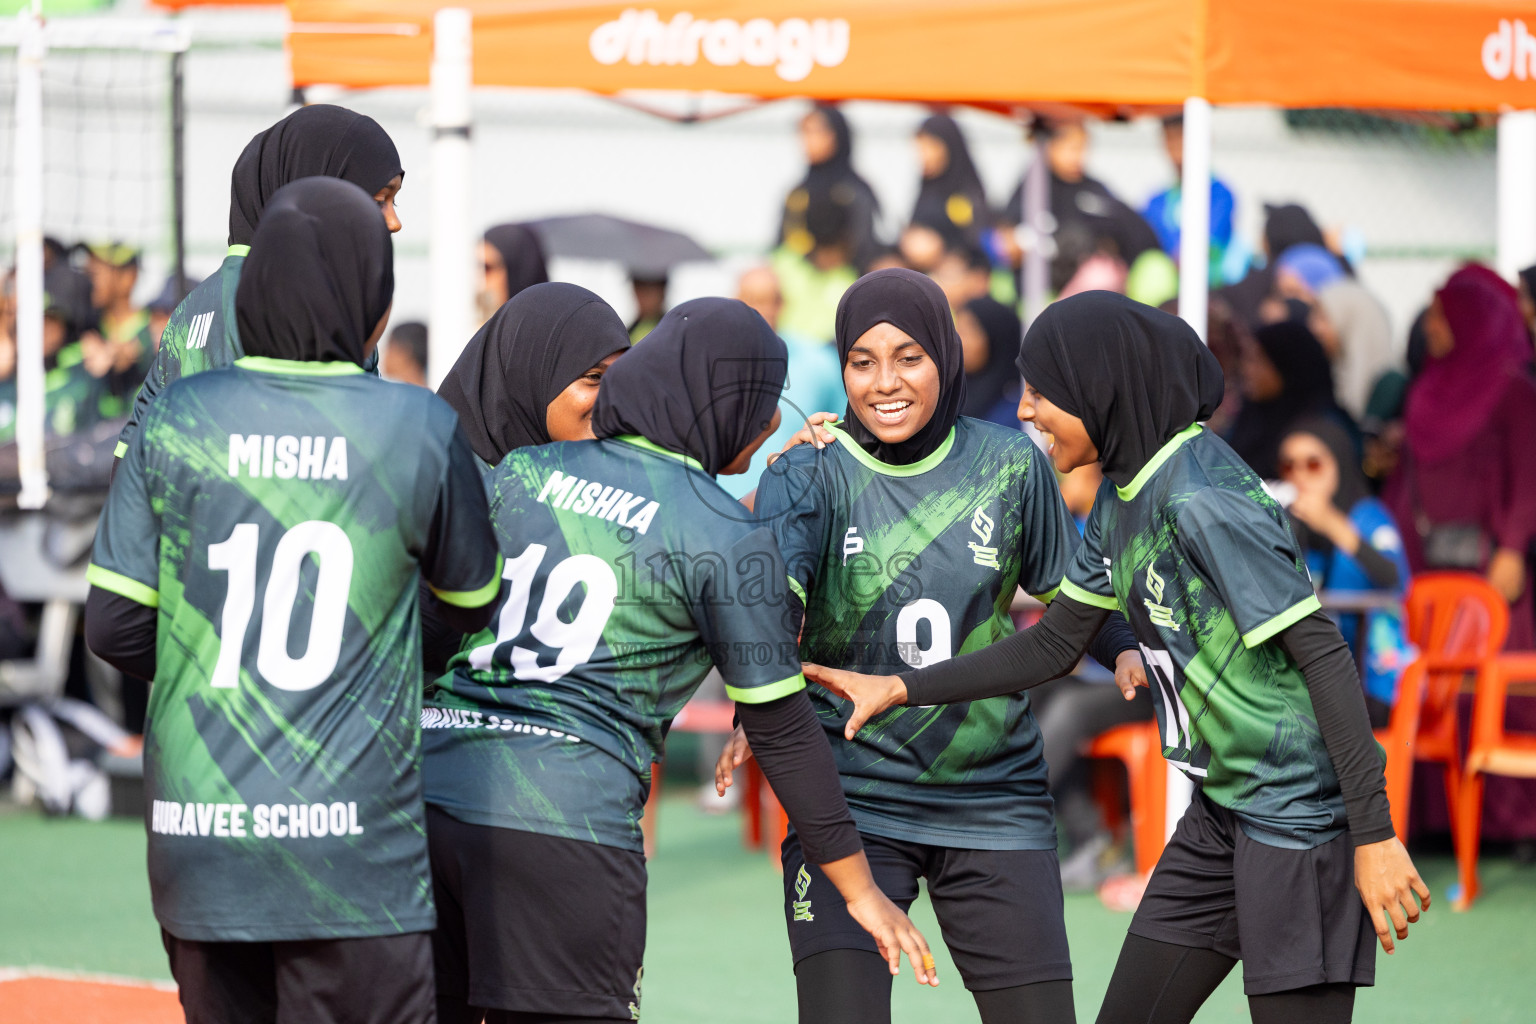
(1000, 910)
(384, 980)
(535, 923)
(1293, 917)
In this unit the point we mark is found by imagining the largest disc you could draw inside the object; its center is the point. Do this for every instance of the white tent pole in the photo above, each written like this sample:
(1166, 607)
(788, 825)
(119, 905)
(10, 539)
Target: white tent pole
(1195, 215)
(450, 249)
(1039, 230)
(1517, 191)
(28, 156)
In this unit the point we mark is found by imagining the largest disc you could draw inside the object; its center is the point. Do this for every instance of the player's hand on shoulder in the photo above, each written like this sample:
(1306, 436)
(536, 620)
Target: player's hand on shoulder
(813, 433)
(869, 695)
(1130, 672)
(894, 933)
(736, 753)
(1390, 887)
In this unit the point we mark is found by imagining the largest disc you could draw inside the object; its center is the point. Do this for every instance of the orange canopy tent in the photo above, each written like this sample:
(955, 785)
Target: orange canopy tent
(1413, 54)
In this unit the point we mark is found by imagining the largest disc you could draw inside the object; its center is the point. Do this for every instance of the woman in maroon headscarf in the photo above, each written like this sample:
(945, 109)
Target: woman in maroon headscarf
(1466, 490)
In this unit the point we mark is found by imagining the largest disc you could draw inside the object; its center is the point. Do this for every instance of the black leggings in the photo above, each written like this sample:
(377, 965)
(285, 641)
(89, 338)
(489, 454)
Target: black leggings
(456, 1011)
(1161, 983)
(853, 986)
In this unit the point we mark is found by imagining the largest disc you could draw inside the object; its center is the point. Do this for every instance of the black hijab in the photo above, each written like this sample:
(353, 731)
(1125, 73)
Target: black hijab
(320, 276)
(1285, 226)
(831, 183)
(321, 140)
(1307, 388)
(1353, 487)
(954, 203)
(912, 303)
(705, 383)
(1134, 375)
(528, 352)
(523, 255)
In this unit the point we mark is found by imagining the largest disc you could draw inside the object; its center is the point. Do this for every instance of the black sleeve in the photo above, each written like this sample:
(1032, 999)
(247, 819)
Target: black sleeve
(1045, 651)
(1339, 703)
(792, 750)
(443, 629)
(1378, 568)
(1114, 638)
(121, 632)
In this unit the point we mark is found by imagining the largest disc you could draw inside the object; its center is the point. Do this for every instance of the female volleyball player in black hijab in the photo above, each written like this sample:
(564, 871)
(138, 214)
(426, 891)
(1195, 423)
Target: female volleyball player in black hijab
(530, 375)
(316, 141)
(632, 530)
(905, 542)
(1265, 864)
(293, 487)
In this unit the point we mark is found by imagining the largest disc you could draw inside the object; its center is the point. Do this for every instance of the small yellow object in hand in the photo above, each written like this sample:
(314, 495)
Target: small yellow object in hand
(928, 964)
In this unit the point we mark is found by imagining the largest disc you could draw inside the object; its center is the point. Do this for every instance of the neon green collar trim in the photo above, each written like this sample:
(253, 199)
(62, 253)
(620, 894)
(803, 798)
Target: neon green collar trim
(297, 367)
(1156, 462)
(237, 250)
(656, 449)
(917, 468)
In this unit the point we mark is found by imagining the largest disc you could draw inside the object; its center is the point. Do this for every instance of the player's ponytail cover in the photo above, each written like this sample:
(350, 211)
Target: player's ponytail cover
(320, 276)
(1134, 375)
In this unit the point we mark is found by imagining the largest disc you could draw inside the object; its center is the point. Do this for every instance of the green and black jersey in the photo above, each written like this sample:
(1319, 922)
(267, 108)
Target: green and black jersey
(279, 515)
(1201, 560)
(905, 566)
(200, 335)
(629, 574)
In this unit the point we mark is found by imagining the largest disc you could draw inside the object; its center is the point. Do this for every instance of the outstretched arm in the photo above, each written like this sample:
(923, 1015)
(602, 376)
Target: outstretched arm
(1047, 650)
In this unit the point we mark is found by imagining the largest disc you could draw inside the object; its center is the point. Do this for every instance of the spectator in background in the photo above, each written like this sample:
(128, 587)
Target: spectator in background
(1284, 227)
(405, 354)
(1382, 425)
(989, 336)
(951, 198)
(650, 288)
(1350, 542)
(1285, 375)
(813, 282)
(163, 305)
(1163, 210)
(828, 144)
(1347, 319)
(1467, 478)
(121, 344)
(511, 259)
(74, 398)
(1090, 219)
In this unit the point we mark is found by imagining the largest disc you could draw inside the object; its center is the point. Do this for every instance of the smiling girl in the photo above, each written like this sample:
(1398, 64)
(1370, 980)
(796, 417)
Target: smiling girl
(905, 542)
(1257, 698)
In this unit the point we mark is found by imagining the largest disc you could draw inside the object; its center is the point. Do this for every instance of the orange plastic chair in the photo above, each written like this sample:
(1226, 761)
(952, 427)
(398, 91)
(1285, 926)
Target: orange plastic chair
(1491, 751)
(1139, 747)
(1459, 623)
(1397, 739)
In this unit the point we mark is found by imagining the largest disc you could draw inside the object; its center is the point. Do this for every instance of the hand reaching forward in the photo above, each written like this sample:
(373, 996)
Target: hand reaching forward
(736, 753)
(1129, 673)
(870, 695)
(1390, 887)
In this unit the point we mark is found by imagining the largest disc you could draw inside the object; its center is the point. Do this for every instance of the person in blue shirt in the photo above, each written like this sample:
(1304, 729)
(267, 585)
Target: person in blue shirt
(1163, 210)
(1350, 542)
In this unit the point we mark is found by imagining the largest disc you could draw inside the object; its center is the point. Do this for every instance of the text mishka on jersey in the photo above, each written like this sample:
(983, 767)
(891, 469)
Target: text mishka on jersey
(594, 498)
(287, 457)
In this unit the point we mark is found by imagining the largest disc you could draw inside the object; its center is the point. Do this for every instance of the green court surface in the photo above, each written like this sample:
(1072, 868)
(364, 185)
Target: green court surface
(75, 898)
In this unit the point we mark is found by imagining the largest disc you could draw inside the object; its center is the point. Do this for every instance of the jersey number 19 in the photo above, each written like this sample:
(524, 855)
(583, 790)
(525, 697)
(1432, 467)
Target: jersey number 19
(576, 639)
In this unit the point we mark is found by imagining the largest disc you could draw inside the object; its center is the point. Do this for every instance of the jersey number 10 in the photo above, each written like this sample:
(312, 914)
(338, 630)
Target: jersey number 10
(237, 556)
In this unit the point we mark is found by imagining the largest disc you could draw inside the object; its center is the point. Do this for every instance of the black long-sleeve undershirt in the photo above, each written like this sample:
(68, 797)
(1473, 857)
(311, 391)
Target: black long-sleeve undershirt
(121, 632)
(791, 748)
(1053, 645)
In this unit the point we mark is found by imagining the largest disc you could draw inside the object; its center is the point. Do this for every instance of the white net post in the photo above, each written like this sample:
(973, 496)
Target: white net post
(1517, 191)
(451, 245)
(28, 181)
(1195, 216)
